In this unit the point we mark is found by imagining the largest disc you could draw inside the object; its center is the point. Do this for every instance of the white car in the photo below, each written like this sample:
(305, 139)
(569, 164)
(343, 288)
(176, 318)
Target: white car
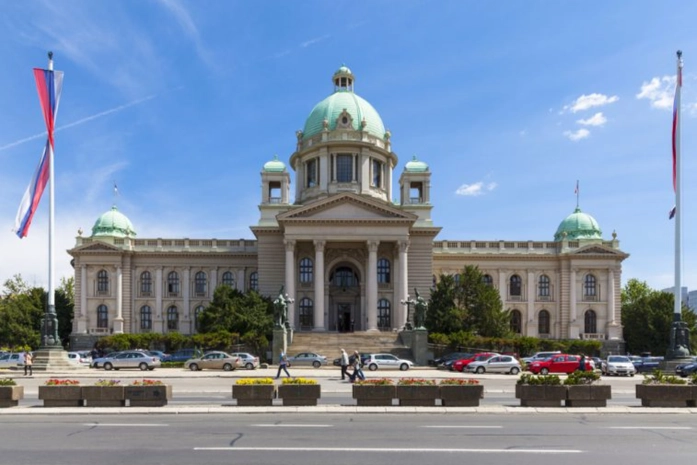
(386, 361)
(495, 364)
(12, 359)
(618, 365)
(80, 358)
(248, 361)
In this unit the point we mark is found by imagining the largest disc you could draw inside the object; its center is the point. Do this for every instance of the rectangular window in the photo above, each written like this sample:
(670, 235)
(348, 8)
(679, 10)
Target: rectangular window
(377, 173)
(344, 168)
(311, 173)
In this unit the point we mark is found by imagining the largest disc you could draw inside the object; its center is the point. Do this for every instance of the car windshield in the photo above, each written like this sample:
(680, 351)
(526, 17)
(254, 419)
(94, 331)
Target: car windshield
(618, 359)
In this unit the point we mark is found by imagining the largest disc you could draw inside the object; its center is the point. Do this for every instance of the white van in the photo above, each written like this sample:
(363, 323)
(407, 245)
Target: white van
(12, 359)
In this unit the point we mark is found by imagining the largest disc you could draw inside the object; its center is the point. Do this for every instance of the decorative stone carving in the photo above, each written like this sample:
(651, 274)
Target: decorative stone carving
(333, 254)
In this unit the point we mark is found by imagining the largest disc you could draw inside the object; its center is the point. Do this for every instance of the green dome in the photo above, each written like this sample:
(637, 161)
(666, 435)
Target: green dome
(342, 99)
(114, 224)
(416, 166)
(274, 166)
(577, 226)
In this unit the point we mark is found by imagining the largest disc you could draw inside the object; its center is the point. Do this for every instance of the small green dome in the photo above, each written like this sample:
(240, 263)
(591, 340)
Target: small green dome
(416, 166)
(274, 166)
(577, 226)
(343, 98)
(114, 224)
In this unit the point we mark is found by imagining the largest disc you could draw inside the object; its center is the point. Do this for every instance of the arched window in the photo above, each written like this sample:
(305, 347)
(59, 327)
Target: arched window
(102, 317)
(229, 279)
(590, 322)
(344, 277)
(516, 286)
(197, 317)
(543, 322)
(145, 318)
(254, 281)
(172, 318)
(173, 284)
(516, 322)
(384, 315)
(590, 287)
(145, 284)
(102, 282)
(306, 312)
(383, 271)
(306, 270)
(543, 286)
(488, 280)
(200, 281)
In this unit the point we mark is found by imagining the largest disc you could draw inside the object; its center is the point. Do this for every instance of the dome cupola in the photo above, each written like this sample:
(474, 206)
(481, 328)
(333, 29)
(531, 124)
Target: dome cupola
(416, 166)
(578, 226)
(274, 166)
(113, 223)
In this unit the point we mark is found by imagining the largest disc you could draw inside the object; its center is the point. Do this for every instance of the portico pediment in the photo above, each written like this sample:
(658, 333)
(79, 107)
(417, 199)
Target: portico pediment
(96, 247)
(346, 208)
(598, 249)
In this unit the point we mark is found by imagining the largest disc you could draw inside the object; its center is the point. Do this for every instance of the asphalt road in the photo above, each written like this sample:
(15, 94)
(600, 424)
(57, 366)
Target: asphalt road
(311, 439)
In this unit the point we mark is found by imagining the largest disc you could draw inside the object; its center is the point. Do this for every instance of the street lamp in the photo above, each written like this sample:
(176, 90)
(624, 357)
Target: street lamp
(408, 302)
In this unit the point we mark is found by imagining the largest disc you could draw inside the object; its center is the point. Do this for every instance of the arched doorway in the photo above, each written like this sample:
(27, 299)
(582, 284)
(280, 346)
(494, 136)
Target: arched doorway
(344, 311)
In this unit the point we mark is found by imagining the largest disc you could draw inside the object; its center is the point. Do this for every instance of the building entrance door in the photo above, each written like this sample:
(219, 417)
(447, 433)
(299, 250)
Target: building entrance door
(344, 318)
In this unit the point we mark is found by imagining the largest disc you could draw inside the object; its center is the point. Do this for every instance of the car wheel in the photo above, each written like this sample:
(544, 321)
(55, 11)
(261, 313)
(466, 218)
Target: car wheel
(480, 370)
(249, 366)
(227, 367)
(143, 366)
(631, 375)
(193, 367)
(151, 368)
(316, 364)
(515, 370)
(544, 371)
(404, 367)
(372, 367)
(108, 366)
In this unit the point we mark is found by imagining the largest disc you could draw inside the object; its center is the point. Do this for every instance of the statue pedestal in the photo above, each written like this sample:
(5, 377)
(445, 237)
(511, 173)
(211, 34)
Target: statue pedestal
(419, 346)
(279, 343)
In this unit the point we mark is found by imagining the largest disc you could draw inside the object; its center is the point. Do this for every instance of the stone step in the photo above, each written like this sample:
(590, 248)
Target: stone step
(329, 344)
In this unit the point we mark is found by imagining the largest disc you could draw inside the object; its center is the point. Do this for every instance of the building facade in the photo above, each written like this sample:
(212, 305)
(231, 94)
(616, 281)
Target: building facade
(343, 250)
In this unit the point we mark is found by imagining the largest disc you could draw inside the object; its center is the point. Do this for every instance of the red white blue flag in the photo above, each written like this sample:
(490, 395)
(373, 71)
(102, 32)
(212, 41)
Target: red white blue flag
(49, 83)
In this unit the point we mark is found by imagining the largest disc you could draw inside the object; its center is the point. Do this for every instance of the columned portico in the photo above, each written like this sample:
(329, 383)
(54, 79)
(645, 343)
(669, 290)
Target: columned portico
(319, 286)
(403, 283)
(290, 279)
(371, 282)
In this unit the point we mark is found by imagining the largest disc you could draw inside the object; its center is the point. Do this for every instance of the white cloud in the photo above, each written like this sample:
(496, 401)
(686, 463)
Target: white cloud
(584, 102)
(476, 189)
(659, 91)
(183, 17)
(597, 119)
(577, 135)
(314, 41)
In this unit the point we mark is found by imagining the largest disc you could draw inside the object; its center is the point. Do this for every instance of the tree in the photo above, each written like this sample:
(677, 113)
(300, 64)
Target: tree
(443, 315)
(21, 310)
(647, 316)
(65, 307)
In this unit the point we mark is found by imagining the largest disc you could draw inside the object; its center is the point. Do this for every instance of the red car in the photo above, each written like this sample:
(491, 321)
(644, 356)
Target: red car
(560, 363)
(461, 364)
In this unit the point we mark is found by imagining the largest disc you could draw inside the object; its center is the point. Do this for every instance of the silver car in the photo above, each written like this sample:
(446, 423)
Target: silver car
(308, 359)
(249, 361)
(131, 359)
(386, 362)
(618, 365)
(495, 364)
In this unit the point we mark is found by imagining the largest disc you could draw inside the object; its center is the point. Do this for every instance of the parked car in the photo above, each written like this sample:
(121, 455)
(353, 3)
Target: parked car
(249, 361)
(560, 363)
(644, 364)
(460, 365)
(617, 365)
(687, 369)
(387, 361)
(495, 364)
(540, 356)
(80, 358)
(99, 361)
(131, 359)
(12, 359)
(308, 359)
(215, 360)
(159, 354)
(452, 356)
(182, 355)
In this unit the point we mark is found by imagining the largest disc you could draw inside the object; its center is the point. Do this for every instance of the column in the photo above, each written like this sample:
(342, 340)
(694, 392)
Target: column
(290, 279)
(502, 287)
(82, 317)
(118, 321)
(403, 282)
(319, 286)
(611, 296)
(157, 322)
(186, 294)
(372, 285)
(213, 283)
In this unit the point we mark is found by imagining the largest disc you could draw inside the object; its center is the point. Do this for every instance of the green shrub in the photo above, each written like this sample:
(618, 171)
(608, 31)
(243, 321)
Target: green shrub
(581, 377)
(7, 382)
(657, 377)
(539, 380)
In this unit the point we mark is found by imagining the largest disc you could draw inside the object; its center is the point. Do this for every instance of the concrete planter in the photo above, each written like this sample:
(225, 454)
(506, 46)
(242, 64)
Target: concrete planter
(467, 395)
(666, 395)
(540, 395)
(148, 396)
(61, 396)
(416, 396)
(11, 395)
(104, 396)
(374, 395)
(588, 395)
(299, 394)
(254, 395)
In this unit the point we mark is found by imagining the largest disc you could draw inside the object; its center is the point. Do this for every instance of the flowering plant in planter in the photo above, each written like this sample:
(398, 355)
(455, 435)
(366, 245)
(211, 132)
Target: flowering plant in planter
(147, 382)
(107, 382)
(251, 381)
(416, 382)
(539, 380)
(62, 382)
(7, 382)
(375, 382)
(458, 382)
(298, 381)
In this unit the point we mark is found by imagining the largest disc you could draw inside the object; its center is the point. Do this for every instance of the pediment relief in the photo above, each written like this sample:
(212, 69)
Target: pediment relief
(347, 207)
(97, 247)
(595, 251)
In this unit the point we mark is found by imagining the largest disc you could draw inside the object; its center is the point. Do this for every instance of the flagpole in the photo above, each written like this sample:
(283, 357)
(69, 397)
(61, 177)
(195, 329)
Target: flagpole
(677, 309)
(51, 221)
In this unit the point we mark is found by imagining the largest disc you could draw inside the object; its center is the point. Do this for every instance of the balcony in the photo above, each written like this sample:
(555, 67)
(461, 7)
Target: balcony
(593, 336)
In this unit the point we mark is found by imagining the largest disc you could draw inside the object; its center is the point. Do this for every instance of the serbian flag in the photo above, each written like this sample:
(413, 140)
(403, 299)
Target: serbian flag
(676, 115)
(49, 83)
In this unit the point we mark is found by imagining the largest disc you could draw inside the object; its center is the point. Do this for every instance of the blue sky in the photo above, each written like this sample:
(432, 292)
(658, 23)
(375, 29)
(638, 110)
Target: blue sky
(181, 103)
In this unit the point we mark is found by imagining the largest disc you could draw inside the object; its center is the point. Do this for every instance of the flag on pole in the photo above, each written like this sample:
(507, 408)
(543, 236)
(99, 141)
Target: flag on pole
(576, 190)
(676, 115)
(671, 213)
(49, 84)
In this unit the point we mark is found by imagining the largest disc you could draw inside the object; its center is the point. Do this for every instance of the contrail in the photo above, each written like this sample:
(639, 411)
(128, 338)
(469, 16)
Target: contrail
(78, 122)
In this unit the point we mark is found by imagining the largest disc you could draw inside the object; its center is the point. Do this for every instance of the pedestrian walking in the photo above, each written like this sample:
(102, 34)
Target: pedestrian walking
(344, 364)
(582, 363)
(28, 362)
(355, 362)
(282, 365)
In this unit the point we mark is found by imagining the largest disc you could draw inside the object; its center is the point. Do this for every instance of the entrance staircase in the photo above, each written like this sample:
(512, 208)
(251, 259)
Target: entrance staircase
(330, 344)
